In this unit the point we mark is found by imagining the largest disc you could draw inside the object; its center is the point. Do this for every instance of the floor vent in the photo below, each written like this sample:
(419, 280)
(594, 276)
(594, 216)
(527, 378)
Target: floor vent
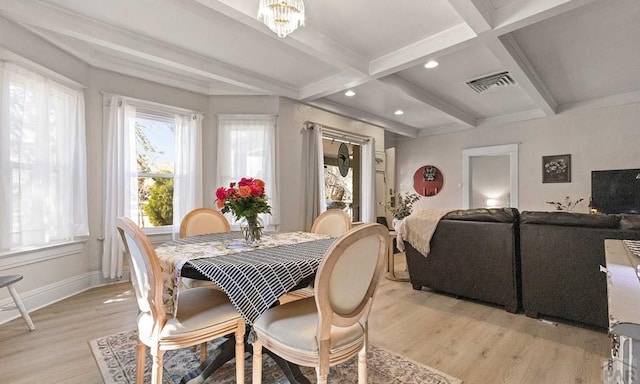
(490, 82)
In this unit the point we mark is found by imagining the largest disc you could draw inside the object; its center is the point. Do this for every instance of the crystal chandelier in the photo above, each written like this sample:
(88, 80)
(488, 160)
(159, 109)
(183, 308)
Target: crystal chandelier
(281, 16)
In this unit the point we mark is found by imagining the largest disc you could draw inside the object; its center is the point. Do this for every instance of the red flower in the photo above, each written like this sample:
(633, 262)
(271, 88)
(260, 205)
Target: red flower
(221, 193)
(256, 190)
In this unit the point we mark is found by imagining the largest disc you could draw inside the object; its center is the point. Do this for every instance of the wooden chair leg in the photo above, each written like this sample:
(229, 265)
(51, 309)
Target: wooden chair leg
(141, 352)
(240, 353)
(21, 307)
(203, 352)
(257, 363)
(320, 377)
(156, 368)
(362, 366)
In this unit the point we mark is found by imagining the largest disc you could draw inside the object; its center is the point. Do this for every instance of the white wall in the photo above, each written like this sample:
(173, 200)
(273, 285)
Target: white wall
(597, 139)
(59, 272)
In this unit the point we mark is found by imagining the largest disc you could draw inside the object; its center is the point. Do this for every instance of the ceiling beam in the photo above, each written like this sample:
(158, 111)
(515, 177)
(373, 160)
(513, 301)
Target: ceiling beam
(329, 86)
(437, 104)
(476, 13)
(305, 39)
(56, 20)
(511, 56)
(520, 14)
(354, 113)
(440, 44)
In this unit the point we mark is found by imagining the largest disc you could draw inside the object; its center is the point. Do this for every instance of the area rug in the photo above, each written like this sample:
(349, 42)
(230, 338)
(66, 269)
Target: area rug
(115, 356)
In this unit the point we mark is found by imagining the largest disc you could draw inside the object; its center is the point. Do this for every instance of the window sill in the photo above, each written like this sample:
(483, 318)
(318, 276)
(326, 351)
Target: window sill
(29, 255)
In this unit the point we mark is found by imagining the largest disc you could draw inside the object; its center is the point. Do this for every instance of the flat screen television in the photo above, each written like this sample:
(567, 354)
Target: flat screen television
(616, 191)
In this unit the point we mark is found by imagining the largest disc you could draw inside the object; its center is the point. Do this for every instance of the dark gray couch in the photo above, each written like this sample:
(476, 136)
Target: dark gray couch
(561, 254)
(474, 254)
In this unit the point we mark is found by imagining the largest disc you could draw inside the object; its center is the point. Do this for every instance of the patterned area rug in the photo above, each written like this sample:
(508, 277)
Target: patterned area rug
(115, 356)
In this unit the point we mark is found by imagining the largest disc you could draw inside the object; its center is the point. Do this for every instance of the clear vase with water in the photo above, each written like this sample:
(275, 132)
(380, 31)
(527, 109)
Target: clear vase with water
(252, 228)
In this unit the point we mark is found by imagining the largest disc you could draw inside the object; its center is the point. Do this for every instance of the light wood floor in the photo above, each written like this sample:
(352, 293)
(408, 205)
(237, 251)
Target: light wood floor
(475, 342)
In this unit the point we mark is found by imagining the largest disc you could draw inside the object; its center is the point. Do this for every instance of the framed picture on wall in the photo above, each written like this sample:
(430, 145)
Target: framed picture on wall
(556, 169)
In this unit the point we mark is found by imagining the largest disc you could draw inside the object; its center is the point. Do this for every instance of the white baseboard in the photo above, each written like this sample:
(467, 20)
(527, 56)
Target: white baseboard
(47, 295)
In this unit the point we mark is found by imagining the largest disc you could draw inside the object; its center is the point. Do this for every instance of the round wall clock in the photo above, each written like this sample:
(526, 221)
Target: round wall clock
(428, 180)
(343, 159)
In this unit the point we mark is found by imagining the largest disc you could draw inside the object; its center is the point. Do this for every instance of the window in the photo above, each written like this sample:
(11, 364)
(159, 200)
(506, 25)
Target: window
(246, 148)
(42, 161)
(155, 160)
(153, 170)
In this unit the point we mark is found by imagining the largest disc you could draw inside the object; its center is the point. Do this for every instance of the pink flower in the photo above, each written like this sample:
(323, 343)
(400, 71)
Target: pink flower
(221, 193)
(256, 190)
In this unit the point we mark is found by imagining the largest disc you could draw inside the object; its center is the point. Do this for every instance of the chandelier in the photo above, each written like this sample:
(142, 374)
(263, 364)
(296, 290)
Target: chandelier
(281, 16)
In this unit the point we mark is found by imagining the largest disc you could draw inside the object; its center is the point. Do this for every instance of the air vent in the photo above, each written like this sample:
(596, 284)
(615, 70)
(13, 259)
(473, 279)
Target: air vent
(490, 82)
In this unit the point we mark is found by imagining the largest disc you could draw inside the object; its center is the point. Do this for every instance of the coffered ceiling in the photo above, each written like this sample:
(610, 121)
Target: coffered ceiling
(560, 54)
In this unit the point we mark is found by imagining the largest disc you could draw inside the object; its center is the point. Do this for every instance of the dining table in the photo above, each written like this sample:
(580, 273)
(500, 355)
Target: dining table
(254, 277)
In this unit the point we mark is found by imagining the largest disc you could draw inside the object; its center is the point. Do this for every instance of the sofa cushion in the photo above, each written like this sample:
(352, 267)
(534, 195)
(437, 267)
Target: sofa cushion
(570, 219)
(630, 221)
(491, 215)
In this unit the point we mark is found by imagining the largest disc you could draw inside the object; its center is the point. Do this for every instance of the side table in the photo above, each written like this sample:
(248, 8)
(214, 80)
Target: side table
(391, 260)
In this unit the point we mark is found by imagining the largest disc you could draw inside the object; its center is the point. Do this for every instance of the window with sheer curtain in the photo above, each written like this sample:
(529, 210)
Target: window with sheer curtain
(43, 185)
(153, 170)
(246, 148)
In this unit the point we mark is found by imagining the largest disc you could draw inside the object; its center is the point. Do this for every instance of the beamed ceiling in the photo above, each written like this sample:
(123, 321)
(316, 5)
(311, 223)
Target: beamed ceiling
(561, 55)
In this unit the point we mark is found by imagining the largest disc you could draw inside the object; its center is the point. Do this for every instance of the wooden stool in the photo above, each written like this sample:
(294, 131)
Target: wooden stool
(8, 281)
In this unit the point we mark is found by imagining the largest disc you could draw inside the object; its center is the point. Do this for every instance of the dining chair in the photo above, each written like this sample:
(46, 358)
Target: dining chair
(331, 327)
(8, 281)
(333, 222)
(202, 221)
(204, 314)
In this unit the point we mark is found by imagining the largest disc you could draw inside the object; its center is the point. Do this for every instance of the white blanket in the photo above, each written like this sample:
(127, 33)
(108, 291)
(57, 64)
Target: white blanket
(418, 228)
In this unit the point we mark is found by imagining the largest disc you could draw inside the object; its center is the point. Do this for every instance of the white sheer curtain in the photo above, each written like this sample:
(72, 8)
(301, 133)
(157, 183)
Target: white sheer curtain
(246, 148)
(313, 193)
(368, 212)
(187, 183)
(43, 184)
(121, 187)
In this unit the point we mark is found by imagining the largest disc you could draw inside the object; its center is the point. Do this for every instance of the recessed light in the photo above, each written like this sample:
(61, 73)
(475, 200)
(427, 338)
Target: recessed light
(398, 112)
(431, 64)
(349, 93)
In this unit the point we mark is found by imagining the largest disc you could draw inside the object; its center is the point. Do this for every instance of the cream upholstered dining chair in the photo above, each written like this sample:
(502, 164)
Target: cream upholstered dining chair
(330, 327)
(201, 221)
(204, 314)
(333, 222)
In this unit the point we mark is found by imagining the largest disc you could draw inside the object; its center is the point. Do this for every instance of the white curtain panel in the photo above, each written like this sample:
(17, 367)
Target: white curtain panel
(121, 196)
(187, 183)
(43, 190)
(246, 148)
(368, 212)
(313, 193)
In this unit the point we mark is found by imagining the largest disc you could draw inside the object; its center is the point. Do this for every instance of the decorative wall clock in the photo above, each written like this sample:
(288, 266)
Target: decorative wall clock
(428, 180)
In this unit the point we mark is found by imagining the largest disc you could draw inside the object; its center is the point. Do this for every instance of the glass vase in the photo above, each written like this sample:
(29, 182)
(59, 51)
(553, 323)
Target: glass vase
(251, 228)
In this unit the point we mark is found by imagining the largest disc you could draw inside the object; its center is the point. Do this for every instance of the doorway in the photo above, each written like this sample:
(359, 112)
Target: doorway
(490, 176)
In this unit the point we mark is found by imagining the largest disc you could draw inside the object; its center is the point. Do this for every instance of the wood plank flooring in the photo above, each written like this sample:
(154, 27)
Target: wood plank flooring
(478, 343)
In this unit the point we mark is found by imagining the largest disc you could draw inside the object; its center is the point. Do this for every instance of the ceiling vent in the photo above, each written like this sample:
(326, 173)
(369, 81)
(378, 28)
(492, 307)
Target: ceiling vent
(491, 82)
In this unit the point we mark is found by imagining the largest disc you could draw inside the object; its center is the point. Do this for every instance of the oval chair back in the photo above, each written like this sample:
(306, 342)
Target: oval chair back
(332, 222)
(201, 221)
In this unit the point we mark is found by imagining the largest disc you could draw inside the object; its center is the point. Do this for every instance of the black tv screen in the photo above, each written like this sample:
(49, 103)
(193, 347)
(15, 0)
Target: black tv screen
(616, 191)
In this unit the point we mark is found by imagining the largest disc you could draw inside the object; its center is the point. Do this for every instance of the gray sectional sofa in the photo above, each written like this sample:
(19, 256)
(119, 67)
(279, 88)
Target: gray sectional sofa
(547, 263)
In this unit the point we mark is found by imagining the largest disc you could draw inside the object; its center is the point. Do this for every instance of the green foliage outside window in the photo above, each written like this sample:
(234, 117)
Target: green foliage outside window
(159, 209)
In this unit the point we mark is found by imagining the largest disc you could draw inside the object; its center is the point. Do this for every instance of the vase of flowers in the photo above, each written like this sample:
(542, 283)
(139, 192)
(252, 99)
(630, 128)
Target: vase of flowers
(245, 199)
